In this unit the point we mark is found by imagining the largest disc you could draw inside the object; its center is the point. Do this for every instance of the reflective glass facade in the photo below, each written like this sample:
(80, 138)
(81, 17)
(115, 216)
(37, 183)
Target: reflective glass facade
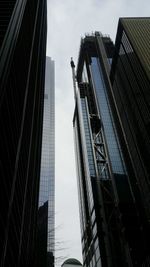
(47, 179)
(110, 224)
(106, 116)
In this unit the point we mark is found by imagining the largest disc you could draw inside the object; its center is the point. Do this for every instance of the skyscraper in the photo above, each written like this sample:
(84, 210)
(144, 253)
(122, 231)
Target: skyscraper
(130, 77)
(47, 177)
(111, 226)
(22, 72)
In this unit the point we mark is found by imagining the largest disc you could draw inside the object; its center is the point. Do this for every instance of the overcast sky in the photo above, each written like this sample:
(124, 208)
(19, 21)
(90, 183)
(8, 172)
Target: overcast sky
(68, 21)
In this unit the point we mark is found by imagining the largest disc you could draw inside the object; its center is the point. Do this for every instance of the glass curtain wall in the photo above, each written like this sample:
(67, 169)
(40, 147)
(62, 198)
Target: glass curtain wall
(47, 177)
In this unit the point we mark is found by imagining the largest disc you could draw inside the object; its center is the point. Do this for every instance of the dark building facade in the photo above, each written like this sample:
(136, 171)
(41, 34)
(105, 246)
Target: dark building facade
(112, 228)
(22, 73)
(47, 173)
(130, 77)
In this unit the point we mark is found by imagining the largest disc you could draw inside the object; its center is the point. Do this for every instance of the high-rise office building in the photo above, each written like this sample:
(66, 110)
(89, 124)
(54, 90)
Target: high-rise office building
(22, 73)
(112, 228)
(130, 77)
(47, 179)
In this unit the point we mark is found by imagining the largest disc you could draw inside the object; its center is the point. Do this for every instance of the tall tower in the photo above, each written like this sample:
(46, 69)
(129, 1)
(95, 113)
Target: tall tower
(130, 77)
(111, 227)
(47, 178)
(22, 73)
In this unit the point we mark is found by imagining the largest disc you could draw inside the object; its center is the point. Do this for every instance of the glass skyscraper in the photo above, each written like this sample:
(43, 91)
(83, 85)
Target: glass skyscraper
(47, 176)
(110, 224)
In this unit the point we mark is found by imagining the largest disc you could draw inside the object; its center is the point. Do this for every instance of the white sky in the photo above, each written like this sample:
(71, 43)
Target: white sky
(68, 21)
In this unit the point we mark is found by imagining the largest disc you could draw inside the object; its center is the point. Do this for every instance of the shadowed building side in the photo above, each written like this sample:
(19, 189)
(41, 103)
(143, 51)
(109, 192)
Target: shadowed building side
(130, 77)
(23, 26)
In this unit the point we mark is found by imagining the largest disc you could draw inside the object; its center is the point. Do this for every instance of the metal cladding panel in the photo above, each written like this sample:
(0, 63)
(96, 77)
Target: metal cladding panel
(138, 31)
